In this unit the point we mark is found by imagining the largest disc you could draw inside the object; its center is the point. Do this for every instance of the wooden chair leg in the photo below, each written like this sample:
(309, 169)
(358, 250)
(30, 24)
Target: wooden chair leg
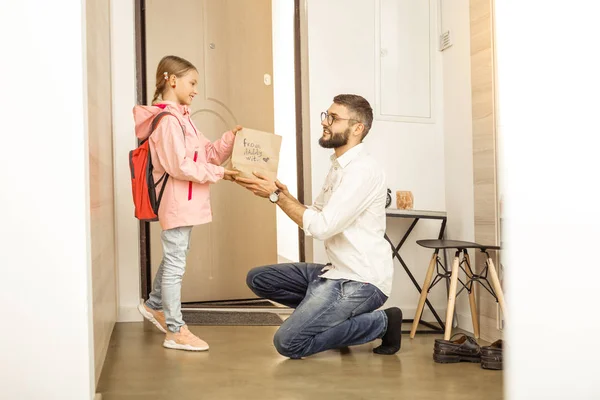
(423, 296)
(496, 284)
(452, 296)
(472, 303)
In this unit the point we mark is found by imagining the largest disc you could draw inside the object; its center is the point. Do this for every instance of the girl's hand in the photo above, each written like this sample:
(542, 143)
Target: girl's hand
(237, 129)
(229, 175)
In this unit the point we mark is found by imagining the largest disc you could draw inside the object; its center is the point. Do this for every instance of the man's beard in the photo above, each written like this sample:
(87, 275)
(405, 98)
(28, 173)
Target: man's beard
(335, 139)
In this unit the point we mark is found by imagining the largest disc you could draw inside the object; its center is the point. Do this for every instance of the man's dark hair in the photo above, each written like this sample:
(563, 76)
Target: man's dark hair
(359, 106)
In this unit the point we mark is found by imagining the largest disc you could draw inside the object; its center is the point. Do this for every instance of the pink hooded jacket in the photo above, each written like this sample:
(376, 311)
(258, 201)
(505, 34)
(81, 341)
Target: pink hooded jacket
(192, 164)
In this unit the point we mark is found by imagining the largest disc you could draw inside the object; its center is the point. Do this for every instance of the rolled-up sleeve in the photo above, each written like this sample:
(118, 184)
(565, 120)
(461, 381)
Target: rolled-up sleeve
(308, 216)
(355, 193)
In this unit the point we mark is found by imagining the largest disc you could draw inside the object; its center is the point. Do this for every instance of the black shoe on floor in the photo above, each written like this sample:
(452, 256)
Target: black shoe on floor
(392, 339)
(464, 348)
(491, 356)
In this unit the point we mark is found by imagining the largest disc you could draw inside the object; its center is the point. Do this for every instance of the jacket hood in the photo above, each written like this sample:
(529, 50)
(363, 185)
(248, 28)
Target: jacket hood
(143, 116)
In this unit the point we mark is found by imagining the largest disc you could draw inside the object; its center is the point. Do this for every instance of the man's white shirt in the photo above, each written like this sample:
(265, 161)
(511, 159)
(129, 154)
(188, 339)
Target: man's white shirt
(349, 215)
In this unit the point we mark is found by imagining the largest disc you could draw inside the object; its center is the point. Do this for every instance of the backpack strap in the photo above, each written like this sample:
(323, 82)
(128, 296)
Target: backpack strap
(159, 117)
(165, 177)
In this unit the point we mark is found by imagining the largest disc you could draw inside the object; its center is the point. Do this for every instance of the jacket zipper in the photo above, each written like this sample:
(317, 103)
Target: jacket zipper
(190, 184)
(192, 124)
(195, 158)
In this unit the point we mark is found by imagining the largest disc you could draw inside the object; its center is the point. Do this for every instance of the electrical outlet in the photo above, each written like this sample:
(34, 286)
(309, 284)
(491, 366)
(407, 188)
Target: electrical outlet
(445, 41)
(499, 318)
(499, 314)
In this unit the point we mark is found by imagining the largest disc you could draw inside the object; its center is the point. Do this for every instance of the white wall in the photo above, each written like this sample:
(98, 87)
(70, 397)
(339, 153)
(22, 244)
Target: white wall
(342, 60)
(46, 342)
(124, 140)
(458, 134)
(549, 101)
(285, 119)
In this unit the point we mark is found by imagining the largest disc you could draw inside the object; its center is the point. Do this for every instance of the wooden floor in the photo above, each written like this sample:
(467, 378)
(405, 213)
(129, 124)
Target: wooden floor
(243, 364)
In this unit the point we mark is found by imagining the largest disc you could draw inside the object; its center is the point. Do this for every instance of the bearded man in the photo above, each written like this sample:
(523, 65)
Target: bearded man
(336, 304)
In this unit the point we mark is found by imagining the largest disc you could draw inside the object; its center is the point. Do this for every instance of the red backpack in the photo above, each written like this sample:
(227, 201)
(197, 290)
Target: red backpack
(142, 181)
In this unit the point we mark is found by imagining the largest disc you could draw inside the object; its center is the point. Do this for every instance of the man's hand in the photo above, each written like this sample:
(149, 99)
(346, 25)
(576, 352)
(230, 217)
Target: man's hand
(263, 187)
(260, 186)
(230, 175)
(237, 129)
(283, 188)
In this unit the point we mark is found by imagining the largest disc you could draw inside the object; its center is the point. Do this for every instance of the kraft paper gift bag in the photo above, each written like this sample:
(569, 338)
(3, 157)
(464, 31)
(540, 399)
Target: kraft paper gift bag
(256, 151)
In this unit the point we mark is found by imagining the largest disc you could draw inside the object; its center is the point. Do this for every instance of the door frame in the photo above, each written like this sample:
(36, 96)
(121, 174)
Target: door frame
(300, 72)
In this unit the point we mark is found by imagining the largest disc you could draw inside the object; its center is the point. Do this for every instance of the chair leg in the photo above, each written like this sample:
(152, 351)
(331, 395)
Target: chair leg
(423, 297)
(452, 296)
(472, 303)
(496, 283)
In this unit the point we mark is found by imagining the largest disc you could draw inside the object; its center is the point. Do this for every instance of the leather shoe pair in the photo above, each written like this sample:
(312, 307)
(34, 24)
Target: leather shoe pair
(465, 349)
(491, 356)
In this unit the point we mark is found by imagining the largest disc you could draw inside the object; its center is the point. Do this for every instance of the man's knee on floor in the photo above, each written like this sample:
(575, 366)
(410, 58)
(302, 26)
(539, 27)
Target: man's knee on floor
(254, 282)
(250, 277)
(285, 345)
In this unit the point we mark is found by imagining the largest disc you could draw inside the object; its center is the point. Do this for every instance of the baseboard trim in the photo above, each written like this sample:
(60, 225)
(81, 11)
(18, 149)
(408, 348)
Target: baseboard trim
(461, 321)
(100, 356)
(129, 314)
(465, 322)
(489, 330)
(409, 313)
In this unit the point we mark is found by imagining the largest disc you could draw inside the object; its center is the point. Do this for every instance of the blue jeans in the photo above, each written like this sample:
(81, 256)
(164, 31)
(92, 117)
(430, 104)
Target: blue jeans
(329, 313)
(166, 289)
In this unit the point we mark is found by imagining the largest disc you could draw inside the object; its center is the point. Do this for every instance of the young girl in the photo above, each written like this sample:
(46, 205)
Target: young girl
(192, 163)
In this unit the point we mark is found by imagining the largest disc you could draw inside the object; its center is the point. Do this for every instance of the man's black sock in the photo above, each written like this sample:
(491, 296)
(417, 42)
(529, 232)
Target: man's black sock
(391, 340)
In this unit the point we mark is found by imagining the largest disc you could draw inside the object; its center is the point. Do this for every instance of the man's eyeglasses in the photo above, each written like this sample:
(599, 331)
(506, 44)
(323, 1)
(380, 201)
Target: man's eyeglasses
(332, 118)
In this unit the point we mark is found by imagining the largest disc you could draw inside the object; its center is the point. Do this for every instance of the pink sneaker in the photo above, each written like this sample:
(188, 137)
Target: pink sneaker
(184, 340)
(156, 317)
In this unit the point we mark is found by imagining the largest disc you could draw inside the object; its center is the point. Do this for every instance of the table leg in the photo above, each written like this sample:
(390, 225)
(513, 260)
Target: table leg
(424, 292)
(396, 255)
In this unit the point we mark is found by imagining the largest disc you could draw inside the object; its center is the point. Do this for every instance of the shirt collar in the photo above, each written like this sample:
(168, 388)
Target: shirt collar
(348, 156)
(180, 107)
